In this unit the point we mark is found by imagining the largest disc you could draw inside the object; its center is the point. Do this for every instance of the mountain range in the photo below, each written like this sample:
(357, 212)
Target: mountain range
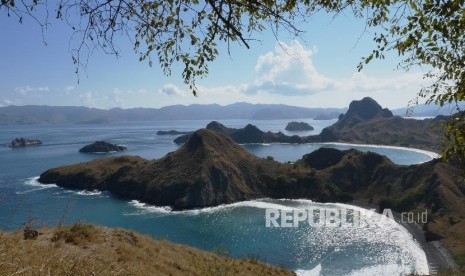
(32, 114)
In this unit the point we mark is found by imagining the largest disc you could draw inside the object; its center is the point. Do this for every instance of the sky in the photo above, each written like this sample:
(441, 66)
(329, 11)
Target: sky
(317, 70)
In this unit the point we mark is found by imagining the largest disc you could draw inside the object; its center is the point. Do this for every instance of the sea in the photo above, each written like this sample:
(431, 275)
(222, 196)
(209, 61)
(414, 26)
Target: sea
(238, 230)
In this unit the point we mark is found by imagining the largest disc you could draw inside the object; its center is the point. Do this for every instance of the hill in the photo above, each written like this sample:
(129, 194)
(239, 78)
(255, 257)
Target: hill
(248, 134)
(83, 249)
(32, 114)
(367, 122)
(211, 169)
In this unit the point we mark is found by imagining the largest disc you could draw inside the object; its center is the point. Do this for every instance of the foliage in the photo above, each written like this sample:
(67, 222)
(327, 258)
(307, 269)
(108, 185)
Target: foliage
(429, 33)
(182, 31)
(426, 32)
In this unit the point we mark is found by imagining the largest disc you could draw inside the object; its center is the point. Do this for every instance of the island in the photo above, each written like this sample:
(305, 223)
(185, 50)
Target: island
(23, 142)
(101, 146)
(298, 126)
(211, 169)
(247, 135)
(365, 122)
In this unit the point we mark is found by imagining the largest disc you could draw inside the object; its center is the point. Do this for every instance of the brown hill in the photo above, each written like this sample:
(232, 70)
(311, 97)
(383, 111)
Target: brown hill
(210, 169)
(83, 249)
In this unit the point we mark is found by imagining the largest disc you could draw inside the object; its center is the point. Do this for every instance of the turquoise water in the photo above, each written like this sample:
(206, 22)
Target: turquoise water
(238, 229)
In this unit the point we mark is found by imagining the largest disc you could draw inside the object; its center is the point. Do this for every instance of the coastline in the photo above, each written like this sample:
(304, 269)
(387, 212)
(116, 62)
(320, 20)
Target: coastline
(438, 256)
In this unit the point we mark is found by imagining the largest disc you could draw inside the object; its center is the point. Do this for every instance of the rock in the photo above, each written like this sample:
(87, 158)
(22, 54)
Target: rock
(30, 233)
(101, 146)
(22, 142)
(298, 126)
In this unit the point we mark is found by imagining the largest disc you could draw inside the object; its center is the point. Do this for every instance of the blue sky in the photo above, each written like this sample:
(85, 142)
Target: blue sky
(318, 70)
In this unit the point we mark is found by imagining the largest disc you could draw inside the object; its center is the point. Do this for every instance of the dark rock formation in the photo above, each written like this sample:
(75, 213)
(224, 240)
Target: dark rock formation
(367, 122)
(322, 158)
(101, 146)
(298, 126)
(173, 132)
(210, 169)
(248, 134)
(23, 142)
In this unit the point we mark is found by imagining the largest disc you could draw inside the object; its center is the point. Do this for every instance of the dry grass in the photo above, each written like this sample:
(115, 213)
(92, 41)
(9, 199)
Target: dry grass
(83, 249)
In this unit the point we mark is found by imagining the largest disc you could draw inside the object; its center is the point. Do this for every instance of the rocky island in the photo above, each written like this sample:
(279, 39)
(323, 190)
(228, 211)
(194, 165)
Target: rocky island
(23, 142)
(365, 122)
(248, 134)
(211, 169)
(101, 146)
(298, 126)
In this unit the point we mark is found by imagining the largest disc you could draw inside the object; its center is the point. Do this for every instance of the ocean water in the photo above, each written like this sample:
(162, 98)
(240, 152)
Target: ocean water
(237, 229)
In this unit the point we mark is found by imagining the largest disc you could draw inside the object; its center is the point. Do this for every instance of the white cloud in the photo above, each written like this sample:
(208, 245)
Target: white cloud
(116, 97)
(68, 89)
(87, 99)
(288, 75)
(171, 90)
(288, 70)
(7, 102)
(26, 89)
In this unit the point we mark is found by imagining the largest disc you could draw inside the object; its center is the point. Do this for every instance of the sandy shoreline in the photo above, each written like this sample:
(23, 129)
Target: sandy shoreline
(437, 255)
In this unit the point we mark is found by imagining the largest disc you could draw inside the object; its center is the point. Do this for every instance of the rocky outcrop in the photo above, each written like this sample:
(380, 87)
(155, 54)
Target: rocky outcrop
(101, 146)
(23, 142)
(298, 126)
(210, 169)
(247, 135)
(367, 122)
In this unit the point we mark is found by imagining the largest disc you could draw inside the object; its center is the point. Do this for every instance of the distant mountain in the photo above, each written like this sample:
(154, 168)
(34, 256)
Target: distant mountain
(33, 114)
(430, 110)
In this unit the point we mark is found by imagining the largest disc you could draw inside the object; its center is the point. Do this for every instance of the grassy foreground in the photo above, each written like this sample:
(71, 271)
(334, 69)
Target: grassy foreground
(83, 249)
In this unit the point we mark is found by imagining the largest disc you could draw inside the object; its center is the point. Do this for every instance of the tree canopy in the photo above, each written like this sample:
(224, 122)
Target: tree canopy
(426, 33)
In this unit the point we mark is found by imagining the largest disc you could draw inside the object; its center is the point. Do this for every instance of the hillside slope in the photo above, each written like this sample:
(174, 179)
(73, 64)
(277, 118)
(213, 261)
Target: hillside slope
(83, 250)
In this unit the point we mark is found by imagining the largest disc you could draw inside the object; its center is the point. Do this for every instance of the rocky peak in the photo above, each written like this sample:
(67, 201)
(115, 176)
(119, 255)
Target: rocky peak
(218, 127)
(363, 110)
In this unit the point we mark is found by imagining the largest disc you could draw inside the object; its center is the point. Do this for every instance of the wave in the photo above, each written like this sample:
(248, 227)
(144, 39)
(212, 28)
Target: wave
(34, 182)
(147, 208)
(259, 203)
(312, 272)
(430, 154)
(89, 193)
(384, 270)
